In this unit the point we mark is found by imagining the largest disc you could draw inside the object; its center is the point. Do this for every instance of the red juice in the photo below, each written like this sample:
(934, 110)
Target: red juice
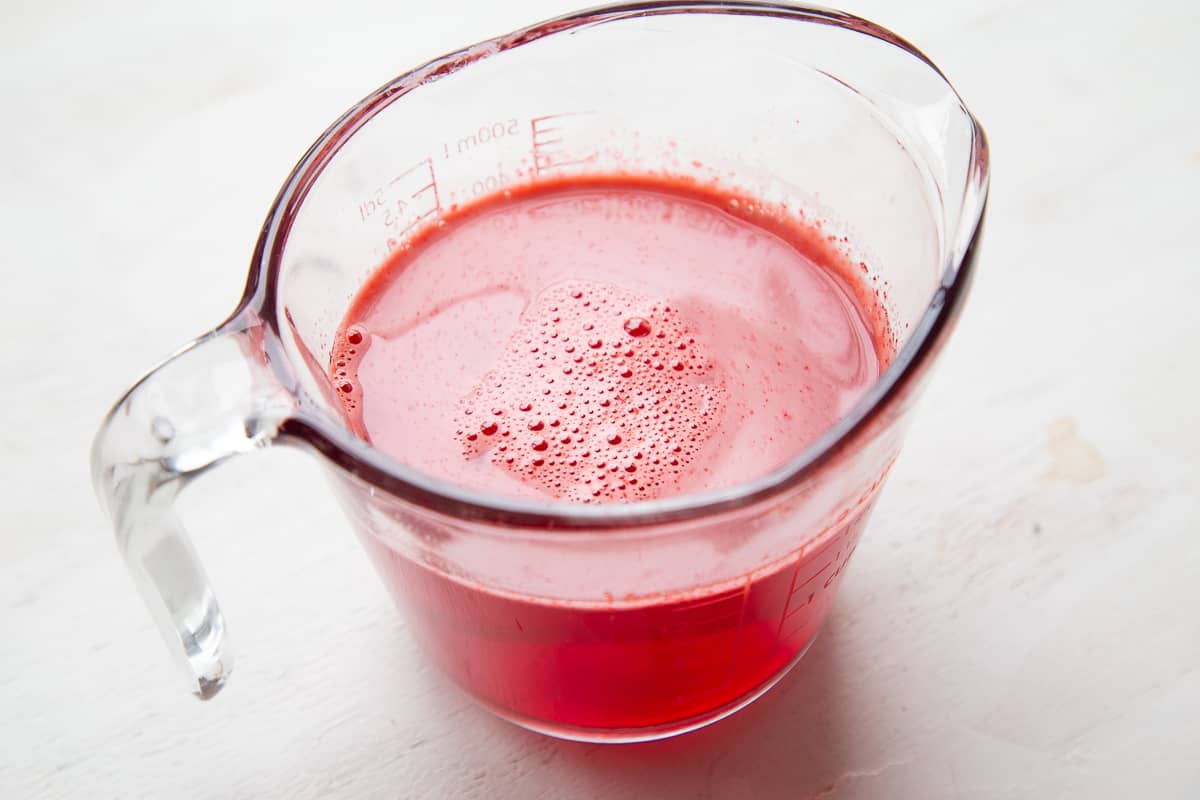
(609, 340)
(635, 663)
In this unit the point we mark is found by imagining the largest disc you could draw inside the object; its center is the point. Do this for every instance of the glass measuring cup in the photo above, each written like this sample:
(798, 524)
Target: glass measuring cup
(616, 622)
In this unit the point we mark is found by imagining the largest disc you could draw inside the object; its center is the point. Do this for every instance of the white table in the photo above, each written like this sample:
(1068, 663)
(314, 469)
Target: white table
(1022, 620)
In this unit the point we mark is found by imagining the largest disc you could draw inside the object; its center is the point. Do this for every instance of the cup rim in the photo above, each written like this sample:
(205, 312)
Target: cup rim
(370, 465)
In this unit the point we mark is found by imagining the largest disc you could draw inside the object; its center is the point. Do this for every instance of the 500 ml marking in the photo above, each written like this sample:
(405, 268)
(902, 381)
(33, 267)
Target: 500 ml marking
(485, 134)
(405, 200)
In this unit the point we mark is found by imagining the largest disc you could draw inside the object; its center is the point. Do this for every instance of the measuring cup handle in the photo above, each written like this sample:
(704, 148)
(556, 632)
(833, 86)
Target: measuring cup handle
(213, 399)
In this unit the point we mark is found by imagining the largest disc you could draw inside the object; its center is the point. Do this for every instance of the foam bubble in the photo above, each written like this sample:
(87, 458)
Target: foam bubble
(607, 403)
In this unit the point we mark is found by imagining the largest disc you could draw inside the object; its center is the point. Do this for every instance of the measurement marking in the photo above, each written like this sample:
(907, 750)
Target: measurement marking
(437, 200)
(845, 560)
(792, 611)
(482, 136)
(817, 574)
(431, 186)
(791, 591)
(804, 557)
(567, 163)
(803, 621)
(548, 150)
(850, 531)
(711, 601)
(737, 636)
(404, 201)
(404, 231)
(839, 562)
(826, 545)
(701, 604)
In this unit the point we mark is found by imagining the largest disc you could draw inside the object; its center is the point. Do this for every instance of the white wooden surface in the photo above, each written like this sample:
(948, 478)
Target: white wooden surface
(1021, 620)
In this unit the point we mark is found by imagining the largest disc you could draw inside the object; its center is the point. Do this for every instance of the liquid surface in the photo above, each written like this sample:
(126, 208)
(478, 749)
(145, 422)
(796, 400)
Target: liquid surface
(608, 341)
(602, 341)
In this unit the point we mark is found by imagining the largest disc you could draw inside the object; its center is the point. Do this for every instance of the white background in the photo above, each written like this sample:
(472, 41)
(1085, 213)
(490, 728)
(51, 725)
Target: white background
(1021, 620)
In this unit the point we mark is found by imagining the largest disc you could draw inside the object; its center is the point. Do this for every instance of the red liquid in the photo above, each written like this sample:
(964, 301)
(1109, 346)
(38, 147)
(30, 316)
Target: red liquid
(608, 341)
(622, 665)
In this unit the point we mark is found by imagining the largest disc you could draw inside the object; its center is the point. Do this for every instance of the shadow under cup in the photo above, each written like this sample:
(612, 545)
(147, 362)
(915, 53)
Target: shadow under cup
(617, 622)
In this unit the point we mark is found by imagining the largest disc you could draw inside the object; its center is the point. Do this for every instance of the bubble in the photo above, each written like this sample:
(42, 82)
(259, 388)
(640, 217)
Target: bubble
(354, 336)
(617, 399)
(637, 327)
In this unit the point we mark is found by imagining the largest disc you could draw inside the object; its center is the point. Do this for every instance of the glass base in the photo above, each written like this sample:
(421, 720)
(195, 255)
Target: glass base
(651, 732)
